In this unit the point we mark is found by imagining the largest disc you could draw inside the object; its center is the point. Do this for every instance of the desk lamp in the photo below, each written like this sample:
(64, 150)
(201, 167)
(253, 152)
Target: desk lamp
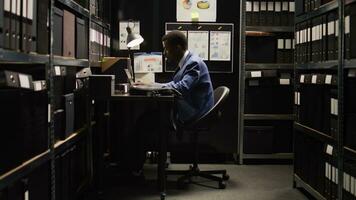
(132, 41)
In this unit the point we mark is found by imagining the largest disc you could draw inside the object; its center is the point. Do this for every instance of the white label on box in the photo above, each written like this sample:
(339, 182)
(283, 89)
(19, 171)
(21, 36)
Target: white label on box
(329, 149)
(347, 182)
(285, 6)
(18, 8)
(256, 74)
(347, 24)
(277, 7)
(314, 77)
(284, 81)
(248, 6)
(333, 174)
(49, 113)
(7, 5)
(336, 107)
(302, 77)
(288, 43)
(291, 7)
(270, 6)
(328, 79)
(326, 170)
(26, 195)
(336, 175)
(355, 187)
(13, 6)
(24, 81)
(313, 34)
(331, 28)
(296, 98)
(352, 185)
(337, 28)
(57, 70)
(344, 185)
(37, 85)
(280, 43)
(256, 6)
(332, 108)
(324, 29)
(297, 37)
(308, 34)
(263, 6)
(293, 43)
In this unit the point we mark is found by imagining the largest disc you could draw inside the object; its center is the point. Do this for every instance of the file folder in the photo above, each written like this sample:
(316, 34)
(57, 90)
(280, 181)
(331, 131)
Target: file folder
(68, 34)
(285, 14)
(277, 13)
(256, 13)
(69, 114)
(32, 25)
(2, 25)
(352, 42)
(7, 24)
(331, 36)
(82, 39)
(270, 13)
(249, 13)
(42, 27)
(58, 32)
(263, 13)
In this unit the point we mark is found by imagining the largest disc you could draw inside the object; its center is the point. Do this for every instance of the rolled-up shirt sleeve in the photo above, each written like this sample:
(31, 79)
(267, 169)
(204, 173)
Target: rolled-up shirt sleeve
(188, 81)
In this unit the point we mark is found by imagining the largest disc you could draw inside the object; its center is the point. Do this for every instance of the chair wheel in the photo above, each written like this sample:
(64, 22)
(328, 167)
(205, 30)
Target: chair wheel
(222, 185)
(163, 196)
(225, 177)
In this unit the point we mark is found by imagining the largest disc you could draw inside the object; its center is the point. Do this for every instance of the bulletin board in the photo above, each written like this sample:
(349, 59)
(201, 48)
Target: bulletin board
(213, 42)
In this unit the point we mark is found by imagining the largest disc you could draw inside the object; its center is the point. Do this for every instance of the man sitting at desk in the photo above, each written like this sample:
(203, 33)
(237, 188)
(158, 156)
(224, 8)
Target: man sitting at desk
(191, 79)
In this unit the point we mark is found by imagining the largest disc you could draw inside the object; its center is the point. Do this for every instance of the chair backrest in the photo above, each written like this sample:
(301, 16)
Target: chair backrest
(220, 95)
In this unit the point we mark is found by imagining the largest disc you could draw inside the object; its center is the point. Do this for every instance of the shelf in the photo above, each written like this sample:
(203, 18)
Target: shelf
(269, 117)
(350, 64)
(268, 156)
(261, 66)
(270, 28)
(9, 56)
(64, 61)
(350, 153)
(322, 10)
(76, 7)
(322, 65)
(301, 184)
(24, 169)
(62, 145)
(99, 22)
(314, 133)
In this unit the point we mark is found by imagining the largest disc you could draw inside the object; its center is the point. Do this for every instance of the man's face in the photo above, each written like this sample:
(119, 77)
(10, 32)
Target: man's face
(172, 53)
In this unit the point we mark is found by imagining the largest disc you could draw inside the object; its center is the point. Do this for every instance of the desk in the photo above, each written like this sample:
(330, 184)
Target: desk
(165, 103)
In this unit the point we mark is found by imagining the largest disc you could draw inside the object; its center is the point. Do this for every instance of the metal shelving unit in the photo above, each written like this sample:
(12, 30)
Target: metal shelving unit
(340, 64)
(48, 62)
(242, 118)
(350, 64)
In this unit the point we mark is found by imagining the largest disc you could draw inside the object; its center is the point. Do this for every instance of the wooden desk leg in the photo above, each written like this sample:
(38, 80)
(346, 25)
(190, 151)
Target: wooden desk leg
(163, 131)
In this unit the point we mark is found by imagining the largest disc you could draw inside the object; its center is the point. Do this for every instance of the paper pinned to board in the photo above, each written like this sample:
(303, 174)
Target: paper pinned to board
(135, 27)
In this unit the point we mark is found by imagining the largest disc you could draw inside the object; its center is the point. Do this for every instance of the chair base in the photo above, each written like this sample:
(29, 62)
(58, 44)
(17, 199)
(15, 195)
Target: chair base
(195, 172)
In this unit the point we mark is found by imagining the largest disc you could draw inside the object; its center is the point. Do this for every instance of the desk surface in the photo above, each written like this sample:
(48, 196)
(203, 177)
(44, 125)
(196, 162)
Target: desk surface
(167, 98)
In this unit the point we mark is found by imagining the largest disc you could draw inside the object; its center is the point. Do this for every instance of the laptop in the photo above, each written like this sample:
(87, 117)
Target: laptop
(145, 87)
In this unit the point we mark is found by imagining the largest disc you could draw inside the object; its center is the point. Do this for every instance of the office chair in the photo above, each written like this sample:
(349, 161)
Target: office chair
(203, 124)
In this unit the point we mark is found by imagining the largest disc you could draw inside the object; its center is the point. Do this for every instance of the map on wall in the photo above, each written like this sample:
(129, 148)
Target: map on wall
(205, 10)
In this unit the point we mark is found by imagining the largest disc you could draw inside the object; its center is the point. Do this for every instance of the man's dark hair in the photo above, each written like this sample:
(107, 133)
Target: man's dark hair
(176, 38)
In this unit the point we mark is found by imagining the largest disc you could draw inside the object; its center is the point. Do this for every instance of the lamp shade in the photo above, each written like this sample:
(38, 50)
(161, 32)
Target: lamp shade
(133, 39)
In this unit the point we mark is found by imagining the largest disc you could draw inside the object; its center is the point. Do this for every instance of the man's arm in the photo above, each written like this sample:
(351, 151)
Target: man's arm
(188, 81)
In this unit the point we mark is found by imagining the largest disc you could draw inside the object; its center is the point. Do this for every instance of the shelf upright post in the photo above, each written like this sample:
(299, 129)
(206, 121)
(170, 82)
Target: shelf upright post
(50, 72)
(241, 82)
(340, 142)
